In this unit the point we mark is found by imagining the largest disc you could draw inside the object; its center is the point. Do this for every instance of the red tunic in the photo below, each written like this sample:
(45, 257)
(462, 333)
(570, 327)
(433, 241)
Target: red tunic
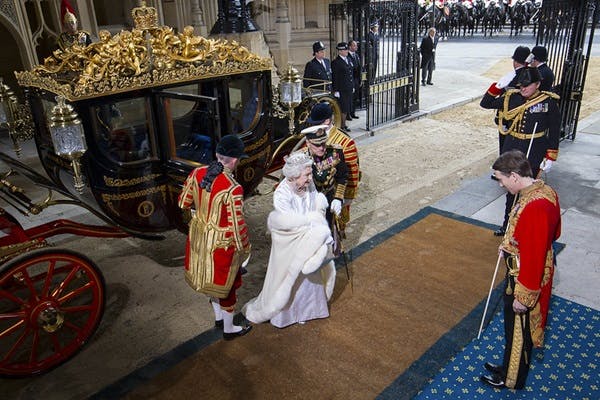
(534, 224)
(218, 231)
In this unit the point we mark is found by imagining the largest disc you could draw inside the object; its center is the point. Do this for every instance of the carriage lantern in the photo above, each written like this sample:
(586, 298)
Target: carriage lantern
(68, 137)
(290, 92)
(8, 108)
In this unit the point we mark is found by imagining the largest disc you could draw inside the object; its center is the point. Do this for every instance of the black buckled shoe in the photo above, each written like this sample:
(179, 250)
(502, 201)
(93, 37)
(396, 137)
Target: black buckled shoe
(496, 369)
(494, 380)
(233, 335)
(499, 232)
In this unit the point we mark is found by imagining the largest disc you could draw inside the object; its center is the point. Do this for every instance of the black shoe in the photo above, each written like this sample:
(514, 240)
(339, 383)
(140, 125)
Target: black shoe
(233, 335)
(354, 116)
(499, 232)
(346, 128)
(219, 324)
(430, 83)
(240, 319)
(494, 380)
(348, 118)
(496, 369)
(423, 83)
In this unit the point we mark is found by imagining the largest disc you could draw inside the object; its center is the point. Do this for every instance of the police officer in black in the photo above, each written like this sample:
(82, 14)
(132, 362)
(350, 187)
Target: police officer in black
(373, 50)
(356, 75)
(530, 117)
(317, 72)
(540, 56)
(343, 82)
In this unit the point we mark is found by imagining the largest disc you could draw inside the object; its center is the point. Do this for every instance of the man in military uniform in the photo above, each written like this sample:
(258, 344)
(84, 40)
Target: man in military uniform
(527, 247)
(530, 120)
(317, 72)
(343, 82)
(217, 245)
(509, 81)
(321, 114)
(71, 35)
(330, 172)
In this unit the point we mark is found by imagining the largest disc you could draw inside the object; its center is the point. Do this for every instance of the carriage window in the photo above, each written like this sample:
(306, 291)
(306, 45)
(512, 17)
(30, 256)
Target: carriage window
(122, 130)
(243, 103)
(191, 129)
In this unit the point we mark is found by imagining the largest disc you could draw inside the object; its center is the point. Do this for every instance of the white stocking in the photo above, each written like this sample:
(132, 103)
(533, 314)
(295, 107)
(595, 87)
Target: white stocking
(217, 308)
(228, 326)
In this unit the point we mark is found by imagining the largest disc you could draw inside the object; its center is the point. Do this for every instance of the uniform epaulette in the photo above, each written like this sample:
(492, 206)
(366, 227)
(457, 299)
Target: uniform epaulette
(551, 94)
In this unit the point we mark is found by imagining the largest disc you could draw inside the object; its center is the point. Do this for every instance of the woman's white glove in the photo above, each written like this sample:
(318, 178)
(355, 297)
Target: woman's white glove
(337, 94)
(506, 79)
(336, 206)
(246, 261)
(546, 164)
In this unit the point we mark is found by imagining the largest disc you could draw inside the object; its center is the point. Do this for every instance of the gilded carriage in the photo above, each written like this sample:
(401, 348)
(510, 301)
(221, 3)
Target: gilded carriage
(118, 125)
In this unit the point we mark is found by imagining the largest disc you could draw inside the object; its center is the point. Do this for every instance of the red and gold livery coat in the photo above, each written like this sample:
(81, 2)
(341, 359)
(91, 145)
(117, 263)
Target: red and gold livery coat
(534, 224)
(218, 242)
(350, 157)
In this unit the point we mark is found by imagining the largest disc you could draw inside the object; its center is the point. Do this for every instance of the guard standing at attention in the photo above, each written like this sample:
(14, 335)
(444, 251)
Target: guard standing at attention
(539, 56)
(217, 245)
(527, 248)
(343, 82)
(317, 72)
(527, 116)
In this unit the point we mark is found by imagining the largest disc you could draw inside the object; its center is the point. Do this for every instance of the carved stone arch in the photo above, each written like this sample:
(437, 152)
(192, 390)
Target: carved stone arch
(17, 52)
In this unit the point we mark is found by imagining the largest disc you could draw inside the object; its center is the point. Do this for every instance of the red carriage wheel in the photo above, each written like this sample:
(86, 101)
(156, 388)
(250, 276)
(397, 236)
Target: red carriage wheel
(51, 302)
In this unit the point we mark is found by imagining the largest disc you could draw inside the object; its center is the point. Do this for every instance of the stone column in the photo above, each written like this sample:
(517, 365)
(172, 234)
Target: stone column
(198, 18)
(284, 30)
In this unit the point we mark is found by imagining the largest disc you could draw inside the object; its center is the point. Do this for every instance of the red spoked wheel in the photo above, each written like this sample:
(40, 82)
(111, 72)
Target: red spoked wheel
(51, 302)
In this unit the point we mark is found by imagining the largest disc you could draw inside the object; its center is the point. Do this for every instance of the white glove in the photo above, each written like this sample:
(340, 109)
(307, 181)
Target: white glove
(246, 261)
(336, 206)
(506, 79)
(337, 94)
(529, 59)
(546, 164)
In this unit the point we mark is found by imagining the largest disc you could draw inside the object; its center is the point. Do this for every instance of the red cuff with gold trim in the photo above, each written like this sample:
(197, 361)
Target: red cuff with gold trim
(552, 154)
(494, 91)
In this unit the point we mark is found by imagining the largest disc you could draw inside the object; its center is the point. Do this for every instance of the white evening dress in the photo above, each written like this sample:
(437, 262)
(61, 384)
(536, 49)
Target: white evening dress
(300, 275)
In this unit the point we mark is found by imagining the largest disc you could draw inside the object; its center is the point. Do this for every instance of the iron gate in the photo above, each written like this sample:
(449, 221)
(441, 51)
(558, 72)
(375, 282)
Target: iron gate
(566, 29)
(390, 63)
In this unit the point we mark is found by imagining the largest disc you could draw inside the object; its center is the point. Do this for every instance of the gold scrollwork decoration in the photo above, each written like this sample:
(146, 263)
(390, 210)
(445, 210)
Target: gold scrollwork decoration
(118, 182)
(108, 198)
(146, 56)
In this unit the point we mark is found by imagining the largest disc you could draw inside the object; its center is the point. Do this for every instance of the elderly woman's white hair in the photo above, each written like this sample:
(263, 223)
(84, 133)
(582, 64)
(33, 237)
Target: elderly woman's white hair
(296, 163)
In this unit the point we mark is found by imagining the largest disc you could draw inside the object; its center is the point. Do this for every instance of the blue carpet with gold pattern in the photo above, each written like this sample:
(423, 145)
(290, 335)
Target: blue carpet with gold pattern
(568, 367)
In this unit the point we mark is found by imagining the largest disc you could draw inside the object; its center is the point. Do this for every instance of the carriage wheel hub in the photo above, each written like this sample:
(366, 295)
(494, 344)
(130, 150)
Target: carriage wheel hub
(48, 317)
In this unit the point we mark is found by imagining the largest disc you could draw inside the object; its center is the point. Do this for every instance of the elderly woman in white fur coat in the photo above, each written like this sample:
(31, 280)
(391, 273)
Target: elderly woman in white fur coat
(301, 274)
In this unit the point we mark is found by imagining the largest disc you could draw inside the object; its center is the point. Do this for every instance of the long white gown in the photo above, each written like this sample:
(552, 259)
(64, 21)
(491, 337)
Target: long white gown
(300, 275)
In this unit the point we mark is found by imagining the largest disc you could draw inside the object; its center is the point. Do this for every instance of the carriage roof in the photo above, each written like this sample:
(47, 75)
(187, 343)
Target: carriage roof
(147, 56)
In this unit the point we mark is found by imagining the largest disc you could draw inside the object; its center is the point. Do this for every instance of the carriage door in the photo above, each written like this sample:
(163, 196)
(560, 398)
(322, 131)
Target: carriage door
(390, 60)
(566, 29)
(190, 130)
